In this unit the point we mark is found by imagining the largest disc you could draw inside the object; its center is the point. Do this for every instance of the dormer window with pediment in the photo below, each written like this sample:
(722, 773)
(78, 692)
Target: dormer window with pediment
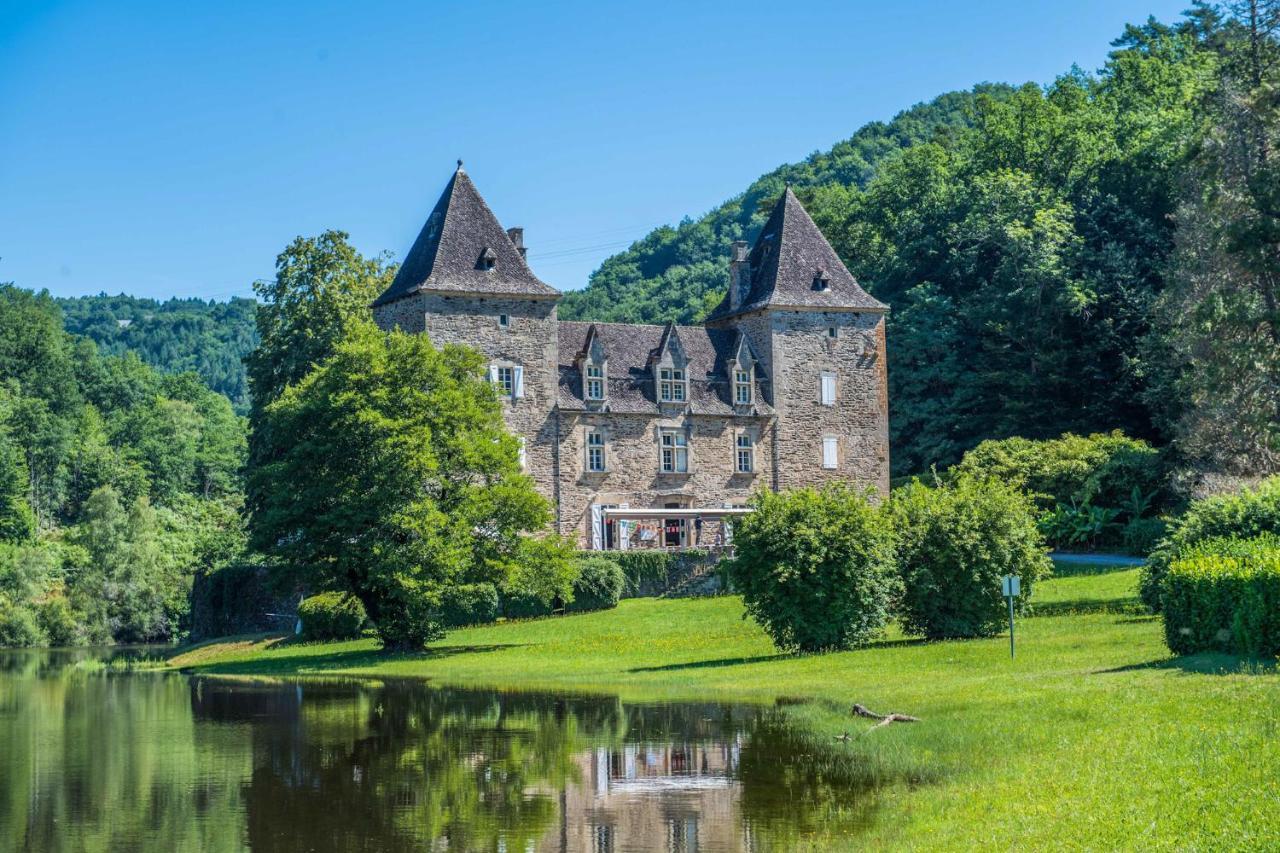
(488, 259)
(670, 367)
(742, 373)
(594, 368)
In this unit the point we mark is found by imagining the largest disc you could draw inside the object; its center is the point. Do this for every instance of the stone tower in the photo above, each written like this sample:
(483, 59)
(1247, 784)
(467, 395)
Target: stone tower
(465, 281)
(820, 340)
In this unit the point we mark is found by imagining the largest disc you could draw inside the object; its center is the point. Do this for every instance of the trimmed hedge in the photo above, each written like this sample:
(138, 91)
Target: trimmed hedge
(1245, 515)
(1225, 602)
(599, 585)
(331, 616)
(469, 604)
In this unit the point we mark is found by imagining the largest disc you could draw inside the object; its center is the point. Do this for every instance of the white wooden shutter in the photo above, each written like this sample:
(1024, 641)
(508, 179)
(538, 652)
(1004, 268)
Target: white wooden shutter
(521, 453)
(493, 373)
(597, 527)
(830, 451)
(828, 389)
(517, 382)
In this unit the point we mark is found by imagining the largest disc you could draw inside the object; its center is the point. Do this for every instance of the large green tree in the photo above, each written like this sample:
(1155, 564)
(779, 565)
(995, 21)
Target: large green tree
(398, 482)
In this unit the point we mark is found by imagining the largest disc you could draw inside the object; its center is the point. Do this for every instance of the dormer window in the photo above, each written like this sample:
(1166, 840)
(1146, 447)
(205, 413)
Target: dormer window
(742, 387)
(671, 385)
(821, 281)
(595, 381)
(488, 259)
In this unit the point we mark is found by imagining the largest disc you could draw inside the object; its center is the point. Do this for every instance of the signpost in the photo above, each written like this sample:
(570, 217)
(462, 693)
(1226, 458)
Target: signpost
(1012, 588)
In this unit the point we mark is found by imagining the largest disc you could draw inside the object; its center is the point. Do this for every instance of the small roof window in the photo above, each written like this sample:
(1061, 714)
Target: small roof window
(488, 259)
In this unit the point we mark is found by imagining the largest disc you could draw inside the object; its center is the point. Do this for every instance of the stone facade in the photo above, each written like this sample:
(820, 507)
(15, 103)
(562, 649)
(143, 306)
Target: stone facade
(688, 398)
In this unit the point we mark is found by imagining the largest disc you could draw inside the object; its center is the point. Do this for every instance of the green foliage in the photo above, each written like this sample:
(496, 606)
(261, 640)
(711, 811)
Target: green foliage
(1244, 515)
(19, 626)
(644, 568)
(1225, 597)
(331, 616)
(1141, 536)
(815, 567)
(677, 273)
(1106, 469)
(469, 604)
(398, 481)
(955, 542)
(599, 585)
(206, 338)
(59, 622)
(1079, 525)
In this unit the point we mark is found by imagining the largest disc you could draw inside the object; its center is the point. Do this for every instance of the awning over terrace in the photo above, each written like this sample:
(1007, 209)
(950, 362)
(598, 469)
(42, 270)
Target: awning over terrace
(666, 528)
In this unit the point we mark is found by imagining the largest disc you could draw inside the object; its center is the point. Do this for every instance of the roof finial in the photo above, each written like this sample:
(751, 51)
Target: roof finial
(459, 164)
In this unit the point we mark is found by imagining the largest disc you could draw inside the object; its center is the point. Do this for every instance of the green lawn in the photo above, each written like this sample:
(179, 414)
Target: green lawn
(1093, 738)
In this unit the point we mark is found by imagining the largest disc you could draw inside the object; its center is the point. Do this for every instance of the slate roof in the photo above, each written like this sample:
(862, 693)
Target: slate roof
(629, 350)
(788, 257)
(447, 256)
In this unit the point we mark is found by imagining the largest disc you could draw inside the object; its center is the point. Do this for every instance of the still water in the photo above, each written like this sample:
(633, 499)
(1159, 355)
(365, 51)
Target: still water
(100, 754)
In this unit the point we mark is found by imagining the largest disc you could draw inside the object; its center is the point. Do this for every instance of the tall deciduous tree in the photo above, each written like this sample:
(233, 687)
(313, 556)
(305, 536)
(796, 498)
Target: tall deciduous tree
(398, 481)
(1219, 321)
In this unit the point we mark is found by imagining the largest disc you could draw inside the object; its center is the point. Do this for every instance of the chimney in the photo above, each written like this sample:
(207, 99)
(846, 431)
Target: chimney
(739, 275)
(517, 239)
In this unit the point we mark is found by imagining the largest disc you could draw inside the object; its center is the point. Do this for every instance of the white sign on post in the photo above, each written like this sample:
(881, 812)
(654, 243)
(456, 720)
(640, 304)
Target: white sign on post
(1012, 586)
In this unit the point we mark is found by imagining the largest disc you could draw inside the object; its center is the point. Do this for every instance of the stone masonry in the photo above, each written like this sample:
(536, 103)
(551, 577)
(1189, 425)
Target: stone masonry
(784, 386)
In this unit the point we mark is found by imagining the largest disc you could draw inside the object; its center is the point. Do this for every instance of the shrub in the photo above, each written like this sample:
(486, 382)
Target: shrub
(599, 585)
(1101, 469)
(522, 605)
(59, 622)
(955, 543)
(469, 604)
(644, 569)
(1141, 535)
(1225, 598)
(331, 616)
(1244, 515)
(18, 626)
(815, 567)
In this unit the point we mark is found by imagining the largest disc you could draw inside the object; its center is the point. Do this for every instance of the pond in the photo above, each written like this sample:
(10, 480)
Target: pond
(101, 753)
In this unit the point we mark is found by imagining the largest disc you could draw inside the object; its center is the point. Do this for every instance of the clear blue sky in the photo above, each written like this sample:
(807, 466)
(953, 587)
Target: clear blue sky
(171, 148)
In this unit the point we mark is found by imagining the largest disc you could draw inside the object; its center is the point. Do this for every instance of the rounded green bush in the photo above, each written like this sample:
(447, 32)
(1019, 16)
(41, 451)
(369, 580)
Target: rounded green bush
(59, 621)
(469, 604)
(331, 616)
(815, 567)
(599, 585)
(18, 626)
(1244, 515)
(956, 541)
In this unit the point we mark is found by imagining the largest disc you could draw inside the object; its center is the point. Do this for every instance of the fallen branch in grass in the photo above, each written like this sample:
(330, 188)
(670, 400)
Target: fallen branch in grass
(885, 719)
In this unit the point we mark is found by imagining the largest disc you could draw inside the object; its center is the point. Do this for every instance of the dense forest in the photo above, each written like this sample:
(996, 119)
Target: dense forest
(116, 483)
(1093, 254)
(207, 338)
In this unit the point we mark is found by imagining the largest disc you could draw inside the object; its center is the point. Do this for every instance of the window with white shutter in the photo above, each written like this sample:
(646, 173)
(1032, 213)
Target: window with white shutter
(830, 451)
(521, 453)
(828, 388)
(517, 384)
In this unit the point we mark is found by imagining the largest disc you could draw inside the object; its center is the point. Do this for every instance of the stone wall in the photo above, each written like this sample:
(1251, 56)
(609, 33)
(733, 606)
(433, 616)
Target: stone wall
(633, 474)
(803, 348)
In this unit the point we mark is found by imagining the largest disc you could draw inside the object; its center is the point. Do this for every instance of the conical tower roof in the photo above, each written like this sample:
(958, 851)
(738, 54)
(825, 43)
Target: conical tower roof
(463, 248)
(793, 265)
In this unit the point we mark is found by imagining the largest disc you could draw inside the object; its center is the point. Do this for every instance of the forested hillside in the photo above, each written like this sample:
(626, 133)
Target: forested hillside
(208, 338)
(116, 483)
(1093, 254)
(680, 273)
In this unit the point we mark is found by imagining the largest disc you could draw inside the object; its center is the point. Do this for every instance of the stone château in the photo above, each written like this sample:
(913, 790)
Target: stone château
(650, 436)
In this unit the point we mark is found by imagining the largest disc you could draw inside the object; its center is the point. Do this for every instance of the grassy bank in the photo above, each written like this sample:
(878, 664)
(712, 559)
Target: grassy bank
(1094, 737)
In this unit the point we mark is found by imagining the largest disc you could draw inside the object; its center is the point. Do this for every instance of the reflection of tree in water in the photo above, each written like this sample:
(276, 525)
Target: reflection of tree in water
(394, 765)
(794, 787)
